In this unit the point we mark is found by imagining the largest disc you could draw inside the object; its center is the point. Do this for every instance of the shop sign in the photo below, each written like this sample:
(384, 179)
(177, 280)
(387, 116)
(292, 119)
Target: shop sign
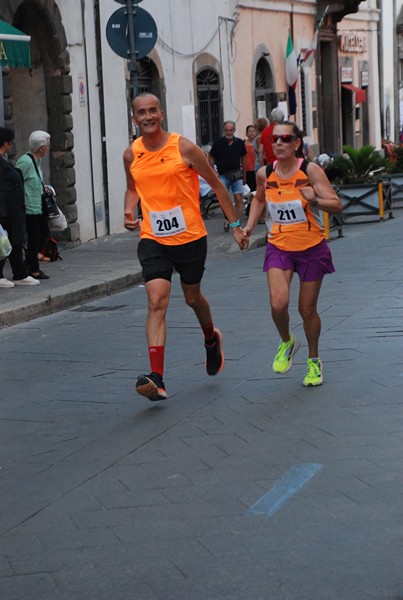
(353, 42)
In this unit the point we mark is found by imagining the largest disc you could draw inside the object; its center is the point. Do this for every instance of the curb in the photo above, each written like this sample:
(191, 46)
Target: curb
(66, 298)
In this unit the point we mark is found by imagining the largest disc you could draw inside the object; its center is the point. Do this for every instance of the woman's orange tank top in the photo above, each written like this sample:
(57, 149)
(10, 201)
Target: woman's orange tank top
(296, 225)
(169, 194)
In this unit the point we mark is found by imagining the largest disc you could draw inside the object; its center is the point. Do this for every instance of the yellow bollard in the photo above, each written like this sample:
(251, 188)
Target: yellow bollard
(326, 225)
(380, 196)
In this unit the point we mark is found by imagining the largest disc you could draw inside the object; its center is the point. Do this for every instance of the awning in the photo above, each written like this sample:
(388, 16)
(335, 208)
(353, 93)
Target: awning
(14, 47)
(360, 94)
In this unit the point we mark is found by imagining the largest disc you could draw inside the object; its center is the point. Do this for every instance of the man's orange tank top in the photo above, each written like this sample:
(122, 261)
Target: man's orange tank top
(169, 194)
(296, 225)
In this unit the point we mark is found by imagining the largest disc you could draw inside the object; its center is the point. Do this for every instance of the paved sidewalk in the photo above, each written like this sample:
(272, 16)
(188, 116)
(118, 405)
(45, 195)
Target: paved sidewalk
(95, 269)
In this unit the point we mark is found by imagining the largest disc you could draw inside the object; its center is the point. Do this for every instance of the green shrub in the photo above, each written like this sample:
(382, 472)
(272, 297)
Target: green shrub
(356, 165)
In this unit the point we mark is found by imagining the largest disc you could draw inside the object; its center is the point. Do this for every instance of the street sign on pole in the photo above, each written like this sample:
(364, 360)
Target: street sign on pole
(118, 34)
(131, 33)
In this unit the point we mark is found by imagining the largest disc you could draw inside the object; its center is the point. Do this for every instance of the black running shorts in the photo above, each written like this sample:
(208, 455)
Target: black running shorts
(159, 260)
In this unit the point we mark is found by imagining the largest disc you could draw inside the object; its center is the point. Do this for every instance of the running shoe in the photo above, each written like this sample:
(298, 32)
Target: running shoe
(285, 352)
(313, 375)
(151, 386)
(214, 354)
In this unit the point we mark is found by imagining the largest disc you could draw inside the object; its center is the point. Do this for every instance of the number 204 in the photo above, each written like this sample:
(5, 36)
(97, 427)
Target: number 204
(167, 225)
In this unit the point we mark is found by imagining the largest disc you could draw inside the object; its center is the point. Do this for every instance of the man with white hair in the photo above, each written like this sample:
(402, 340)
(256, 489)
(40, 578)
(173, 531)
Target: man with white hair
(36, 222)
(266, 154)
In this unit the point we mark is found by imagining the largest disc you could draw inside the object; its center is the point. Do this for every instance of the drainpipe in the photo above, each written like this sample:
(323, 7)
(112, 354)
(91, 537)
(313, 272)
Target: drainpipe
(380, 63)
(98, 48)
(89, 116)
(395, 37)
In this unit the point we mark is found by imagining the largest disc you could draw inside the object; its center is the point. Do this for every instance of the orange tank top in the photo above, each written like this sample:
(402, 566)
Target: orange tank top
(296, 225)
(169, 194)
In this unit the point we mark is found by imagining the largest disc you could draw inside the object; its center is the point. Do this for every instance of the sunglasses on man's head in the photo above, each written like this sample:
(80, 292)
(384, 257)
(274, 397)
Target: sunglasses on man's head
(287, 138)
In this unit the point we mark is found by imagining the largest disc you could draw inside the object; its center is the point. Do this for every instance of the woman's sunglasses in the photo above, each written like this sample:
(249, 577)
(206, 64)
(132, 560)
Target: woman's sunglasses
(286, 138)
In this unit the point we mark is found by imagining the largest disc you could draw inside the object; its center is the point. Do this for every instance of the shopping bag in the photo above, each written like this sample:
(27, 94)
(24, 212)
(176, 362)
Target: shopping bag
(5, 245)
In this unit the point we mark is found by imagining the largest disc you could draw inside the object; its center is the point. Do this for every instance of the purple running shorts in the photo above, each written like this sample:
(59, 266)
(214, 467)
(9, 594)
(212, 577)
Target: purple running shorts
(311, 264)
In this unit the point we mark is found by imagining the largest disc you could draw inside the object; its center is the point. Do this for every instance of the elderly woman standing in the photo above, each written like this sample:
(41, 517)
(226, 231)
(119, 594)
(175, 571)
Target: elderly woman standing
(12, 213)
(37, 227)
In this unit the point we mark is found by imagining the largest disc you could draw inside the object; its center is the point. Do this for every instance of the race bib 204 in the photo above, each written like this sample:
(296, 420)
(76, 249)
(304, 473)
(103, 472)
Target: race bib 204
(167, 222)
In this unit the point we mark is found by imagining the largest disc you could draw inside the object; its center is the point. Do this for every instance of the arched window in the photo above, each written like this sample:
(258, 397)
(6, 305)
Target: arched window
(208, 97)
(264, 88)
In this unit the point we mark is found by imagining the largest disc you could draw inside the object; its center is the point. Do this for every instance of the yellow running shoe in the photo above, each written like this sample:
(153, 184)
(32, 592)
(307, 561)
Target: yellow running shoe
(285, 352)
(313, 375)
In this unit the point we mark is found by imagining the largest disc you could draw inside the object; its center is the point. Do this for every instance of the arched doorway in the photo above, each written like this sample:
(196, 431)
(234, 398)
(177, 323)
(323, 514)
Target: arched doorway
(265, 98)
(209, 105)
(42, 100)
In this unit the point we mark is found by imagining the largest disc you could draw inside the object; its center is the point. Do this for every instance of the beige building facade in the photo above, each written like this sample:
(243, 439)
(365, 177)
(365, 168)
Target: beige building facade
(338, 97)
(227, 62)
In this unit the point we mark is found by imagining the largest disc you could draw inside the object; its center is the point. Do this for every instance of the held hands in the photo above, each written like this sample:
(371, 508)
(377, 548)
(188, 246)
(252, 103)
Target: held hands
(240, 238)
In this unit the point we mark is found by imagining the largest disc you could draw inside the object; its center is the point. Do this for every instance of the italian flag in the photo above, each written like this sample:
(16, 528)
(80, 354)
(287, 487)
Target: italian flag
(291, 75)
(291, 67)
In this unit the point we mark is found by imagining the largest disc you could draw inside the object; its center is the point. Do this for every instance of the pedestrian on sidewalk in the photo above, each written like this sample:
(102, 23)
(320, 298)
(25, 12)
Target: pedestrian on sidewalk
(36, 221)
(12, 213)
(295, 191)
(250, 157)
(266, 154)
(162, 170)
(228, 155)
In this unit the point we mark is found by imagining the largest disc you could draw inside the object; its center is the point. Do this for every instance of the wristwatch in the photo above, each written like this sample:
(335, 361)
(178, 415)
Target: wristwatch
(235, 224)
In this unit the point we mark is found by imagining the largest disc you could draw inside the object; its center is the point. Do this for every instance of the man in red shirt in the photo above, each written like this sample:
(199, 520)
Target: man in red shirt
(266, 154)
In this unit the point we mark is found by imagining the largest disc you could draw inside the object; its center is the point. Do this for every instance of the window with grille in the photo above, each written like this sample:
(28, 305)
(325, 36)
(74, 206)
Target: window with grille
(147, 77)
(209, 103)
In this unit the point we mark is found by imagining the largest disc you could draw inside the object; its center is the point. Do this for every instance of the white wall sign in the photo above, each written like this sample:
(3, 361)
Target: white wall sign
(82, 92)
(188, 122)
(346, 74)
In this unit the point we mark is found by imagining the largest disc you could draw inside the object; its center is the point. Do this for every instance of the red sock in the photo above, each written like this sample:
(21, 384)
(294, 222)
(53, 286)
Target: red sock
(208, 331)
(156, 355)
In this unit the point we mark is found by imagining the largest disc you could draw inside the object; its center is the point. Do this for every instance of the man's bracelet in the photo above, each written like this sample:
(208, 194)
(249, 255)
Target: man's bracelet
(235, 224)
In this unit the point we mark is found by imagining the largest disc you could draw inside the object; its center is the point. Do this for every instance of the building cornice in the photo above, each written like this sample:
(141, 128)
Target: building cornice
(337, 9)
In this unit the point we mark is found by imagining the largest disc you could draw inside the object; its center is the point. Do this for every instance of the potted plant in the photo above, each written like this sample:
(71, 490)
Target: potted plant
(356, 176)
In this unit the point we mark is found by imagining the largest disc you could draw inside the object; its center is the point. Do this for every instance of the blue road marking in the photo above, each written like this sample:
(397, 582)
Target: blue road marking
(284, 489)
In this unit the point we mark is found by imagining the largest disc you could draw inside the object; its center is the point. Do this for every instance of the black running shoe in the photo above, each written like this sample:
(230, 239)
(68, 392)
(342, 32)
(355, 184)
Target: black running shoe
(151, 386)
(215, 355)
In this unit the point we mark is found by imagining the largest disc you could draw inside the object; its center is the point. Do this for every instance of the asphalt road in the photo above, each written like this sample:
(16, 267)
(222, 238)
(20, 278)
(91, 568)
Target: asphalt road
(246, 486)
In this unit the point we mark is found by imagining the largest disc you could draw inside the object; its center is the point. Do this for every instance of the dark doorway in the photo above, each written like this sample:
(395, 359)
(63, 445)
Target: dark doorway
(328, 97)
(348, 116)
(264, 87)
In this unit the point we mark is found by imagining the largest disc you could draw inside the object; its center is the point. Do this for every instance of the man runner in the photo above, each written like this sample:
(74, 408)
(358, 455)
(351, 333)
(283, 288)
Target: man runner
(162, 170)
